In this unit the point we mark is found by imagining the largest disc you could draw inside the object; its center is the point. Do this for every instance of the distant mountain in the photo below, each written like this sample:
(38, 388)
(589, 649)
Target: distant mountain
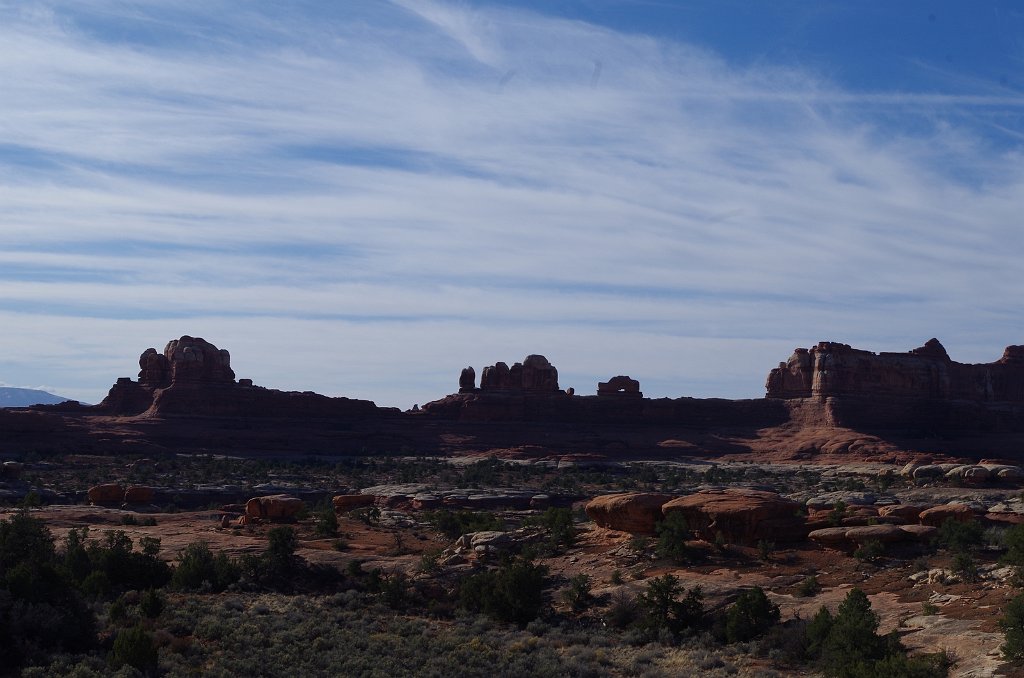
(23, 397)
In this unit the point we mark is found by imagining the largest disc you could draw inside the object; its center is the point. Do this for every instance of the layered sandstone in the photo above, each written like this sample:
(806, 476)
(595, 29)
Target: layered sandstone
(832, 369)
(634, 512)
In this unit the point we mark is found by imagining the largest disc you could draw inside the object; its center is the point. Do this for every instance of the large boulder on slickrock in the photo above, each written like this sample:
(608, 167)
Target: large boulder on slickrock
(634, 512)
(107, 493)
(742, 516)
(273, 507)
(939, 514)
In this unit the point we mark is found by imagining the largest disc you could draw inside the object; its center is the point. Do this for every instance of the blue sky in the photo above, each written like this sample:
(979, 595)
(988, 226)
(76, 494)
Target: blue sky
(362, 198)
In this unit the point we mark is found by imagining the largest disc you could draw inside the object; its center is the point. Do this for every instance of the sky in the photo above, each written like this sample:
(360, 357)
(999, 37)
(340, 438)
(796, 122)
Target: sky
(363, 198)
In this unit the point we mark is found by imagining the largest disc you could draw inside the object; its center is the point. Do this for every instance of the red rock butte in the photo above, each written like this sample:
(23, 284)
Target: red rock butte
(830, 399)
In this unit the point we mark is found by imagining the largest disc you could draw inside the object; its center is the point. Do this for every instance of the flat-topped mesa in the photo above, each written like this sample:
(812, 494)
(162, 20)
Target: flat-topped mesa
(534, 375)
(185, 360)
(831, 369)
(619, 387)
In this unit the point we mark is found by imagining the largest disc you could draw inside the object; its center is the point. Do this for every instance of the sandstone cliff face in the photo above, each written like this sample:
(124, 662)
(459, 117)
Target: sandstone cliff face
(832, 369)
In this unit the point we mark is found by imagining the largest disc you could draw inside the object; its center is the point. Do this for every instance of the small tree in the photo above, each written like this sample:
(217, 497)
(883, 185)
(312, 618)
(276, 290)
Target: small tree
(1012, 624)
(661, 609)
(135, 648)
(327, 522)
(672, 535)
(751, 615)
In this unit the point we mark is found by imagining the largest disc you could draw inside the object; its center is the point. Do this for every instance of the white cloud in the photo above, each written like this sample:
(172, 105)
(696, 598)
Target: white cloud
(363, 201)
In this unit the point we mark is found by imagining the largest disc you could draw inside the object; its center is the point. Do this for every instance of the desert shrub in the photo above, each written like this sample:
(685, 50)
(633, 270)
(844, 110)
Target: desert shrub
(750, 616)
(809, 587)
(558, 522)
(959, 536)
(152, 603)
(965, 566)
(326, 522)
(1012, 624)
(199, 569)
(514, 592)
(869, 551)
(454, 524)
(578, 596)
(113, 561)
(41, 612)
(672, 535)
(623, 610)
(616, 577)
(660, 608)
(1013, 540)
(836, 515)
(134, 647)
(765, 549)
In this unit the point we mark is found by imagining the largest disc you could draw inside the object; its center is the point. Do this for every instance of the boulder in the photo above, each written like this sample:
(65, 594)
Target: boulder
(273, 507)
(919, 532)
(139, 494)
(903, 513)
(927, 471)
(424, 502)
(829, 535)
(883, 533)
(634, 512)
(107, 493)
(347, 502)
(742, 516)
(937, 515)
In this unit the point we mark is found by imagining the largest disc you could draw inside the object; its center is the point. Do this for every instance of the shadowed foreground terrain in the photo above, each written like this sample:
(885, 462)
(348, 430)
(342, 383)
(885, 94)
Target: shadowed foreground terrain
(862, 520)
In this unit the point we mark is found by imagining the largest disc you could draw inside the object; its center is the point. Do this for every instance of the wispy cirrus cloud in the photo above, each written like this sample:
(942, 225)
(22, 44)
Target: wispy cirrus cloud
(361, 200)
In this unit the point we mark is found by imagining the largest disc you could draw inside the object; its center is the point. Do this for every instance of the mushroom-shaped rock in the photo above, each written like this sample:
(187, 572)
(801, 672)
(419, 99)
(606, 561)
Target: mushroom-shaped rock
(741, 516)
(347, 502)
(139, 494)
(107, 493)
(273, 507)
(939, 514)
(635, 512)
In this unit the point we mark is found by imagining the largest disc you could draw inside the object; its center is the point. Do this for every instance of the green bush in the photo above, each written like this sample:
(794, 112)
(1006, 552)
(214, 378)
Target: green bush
(750, 616)
(134, 647)
(1013, 540)
(959, 536)
(152, 603)
(514, 592)
(199, 569)
(454, 524)
(1012, 624)
(673, 532)
(578, 596)
(660, 608)
(326, 522)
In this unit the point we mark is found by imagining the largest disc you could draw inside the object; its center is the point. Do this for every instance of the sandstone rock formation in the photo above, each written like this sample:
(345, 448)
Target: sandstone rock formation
(937, 515)
(835, 369)
(535, 374)
(273, 507)
(107, 493)
(188, 359)
(348, 502)
(741, 516)
(620, 386)
(467, 380)
(634, 512)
